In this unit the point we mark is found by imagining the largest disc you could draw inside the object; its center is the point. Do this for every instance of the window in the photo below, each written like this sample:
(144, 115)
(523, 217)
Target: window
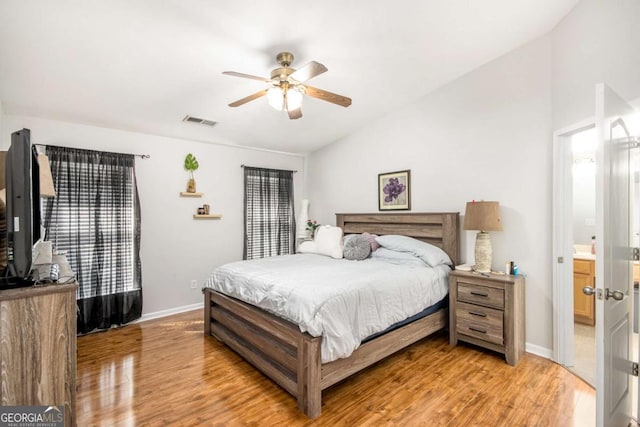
(95, 219)
(269, 219)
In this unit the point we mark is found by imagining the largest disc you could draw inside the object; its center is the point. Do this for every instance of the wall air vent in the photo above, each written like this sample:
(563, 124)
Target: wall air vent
(197, 120)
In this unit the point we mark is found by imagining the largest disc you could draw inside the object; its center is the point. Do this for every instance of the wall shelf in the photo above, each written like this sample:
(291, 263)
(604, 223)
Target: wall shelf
(210, 216)
(185, 194)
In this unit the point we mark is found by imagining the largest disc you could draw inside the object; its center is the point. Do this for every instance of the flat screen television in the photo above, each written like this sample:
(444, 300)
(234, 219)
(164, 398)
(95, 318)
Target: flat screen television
(22, 179)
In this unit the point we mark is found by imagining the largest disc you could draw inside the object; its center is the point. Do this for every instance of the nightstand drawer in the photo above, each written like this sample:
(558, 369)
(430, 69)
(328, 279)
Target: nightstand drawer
(480, 322)
(492, 297)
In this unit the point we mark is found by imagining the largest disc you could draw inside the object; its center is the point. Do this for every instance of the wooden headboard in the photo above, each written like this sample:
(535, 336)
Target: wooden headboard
(439, 229)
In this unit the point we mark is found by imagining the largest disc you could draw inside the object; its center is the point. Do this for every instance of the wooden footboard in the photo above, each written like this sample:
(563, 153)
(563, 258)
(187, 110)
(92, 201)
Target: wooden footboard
(292, 358)
(274, 346)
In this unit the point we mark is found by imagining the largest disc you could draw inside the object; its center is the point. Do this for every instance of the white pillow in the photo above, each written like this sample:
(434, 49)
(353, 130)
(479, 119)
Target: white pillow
(430, 254)
(400, 258)
(307, 247)
(327, 241)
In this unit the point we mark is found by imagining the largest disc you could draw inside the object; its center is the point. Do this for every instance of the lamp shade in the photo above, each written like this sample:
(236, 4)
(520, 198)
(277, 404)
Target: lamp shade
(483, 216)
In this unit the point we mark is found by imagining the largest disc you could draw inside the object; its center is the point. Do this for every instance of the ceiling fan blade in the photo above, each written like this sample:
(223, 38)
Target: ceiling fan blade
(246, 76)
(248, 98)
(295, 114)
(327, 96)
(308, 72)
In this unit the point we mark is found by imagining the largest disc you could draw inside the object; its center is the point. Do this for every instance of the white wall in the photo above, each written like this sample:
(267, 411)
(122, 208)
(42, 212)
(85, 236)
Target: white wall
(598, 41)
(175, 248)
(584, 206)
(485, 136)
(1, 118)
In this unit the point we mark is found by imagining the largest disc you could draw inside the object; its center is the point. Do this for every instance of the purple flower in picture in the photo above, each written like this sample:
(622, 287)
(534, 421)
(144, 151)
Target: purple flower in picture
(393, 189)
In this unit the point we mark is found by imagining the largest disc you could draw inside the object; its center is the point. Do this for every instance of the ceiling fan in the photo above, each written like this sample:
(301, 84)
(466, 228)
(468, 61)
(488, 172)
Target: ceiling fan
(287, 86)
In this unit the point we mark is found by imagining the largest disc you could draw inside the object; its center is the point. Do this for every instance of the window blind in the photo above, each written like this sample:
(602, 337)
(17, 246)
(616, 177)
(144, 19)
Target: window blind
(269, 216)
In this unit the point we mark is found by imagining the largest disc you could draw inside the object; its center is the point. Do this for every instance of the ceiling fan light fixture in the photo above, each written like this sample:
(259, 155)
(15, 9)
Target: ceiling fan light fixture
(288, 86)
(275, 97)
(294, 99)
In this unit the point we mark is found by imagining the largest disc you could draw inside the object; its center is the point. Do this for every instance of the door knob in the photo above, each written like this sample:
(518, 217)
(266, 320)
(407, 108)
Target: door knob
(588, 290)
(616, 295)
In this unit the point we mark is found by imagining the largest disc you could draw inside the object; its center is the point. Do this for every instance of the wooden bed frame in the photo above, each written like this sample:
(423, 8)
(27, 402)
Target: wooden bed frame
(292, 358)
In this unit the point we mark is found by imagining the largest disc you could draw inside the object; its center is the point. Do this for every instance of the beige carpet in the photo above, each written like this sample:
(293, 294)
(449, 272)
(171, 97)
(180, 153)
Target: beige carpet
(584, 346)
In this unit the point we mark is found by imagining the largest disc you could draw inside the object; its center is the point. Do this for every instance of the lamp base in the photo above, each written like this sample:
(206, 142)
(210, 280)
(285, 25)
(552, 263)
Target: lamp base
(484, 252)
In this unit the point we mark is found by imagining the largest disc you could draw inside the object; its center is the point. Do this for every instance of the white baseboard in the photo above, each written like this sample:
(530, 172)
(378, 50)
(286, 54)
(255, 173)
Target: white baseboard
(168, 312)
(547, 353)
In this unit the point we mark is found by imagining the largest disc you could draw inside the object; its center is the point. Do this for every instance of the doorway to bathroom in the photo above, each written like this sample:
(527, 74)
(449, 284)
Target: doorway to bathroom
(583, 170)
(574, 339)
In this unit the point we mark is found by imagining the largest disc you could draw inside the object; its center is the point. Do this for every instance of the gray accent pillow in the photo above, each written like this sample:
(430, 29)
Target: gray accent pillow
(356, 247)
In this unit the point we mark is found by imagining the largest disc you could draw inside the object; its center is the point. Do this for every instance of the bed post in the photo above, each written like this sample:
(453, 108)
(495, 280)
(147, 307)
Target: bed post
(207, 312)
(309, 376)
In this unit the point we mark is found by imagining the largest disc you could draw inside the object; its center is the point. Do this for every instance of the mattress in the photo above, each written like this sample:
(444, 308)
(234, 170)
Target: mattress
(343, 301)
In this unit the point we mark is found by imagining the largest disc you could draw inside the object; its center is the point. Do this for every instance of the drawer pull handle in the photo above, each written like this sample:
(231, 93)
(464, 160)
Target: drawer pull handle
(473, 313)
(479, 294)
(482, 331)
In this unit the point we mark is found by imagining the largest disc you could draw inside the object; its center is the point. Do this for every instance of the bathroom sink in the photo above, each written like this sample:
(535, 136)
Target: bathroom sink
(584, 255)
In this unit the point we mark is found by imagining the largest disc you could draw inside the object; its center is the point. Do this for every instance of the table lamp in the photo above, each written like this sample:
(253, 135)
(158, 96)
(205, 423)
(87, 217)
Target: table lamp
(482, 216)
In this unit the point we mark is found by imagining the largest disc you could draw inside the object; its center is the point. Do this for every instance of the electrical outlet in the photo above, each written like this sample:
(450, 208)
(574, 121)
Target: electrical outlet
(194, 284)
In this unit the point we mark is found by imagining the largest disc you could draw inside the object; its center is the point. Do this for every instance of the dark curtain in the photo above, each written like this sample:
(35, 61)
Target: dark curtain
(95, 219)
(268, 208)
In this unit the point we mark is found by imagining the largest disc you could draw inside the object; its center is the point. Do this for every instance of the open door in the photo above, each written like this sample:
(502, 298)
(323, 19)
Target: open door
(614, 283)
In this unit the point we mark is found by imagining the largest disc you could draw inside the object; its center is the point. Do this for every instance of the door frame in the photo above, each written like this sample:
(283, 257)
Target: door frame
(562, 229)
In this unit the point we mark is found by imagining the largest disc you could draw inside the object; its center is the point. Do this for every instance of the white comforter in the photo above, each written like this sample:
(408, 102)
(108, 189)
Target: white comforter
(343, 301)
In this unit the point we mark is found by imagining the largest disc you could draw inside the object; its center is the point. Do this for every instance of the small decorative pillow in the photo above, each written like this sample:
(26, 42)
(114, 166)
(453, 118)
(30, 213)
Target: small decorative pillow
(430, 254)
(372, 240)
(328, 241)
(356, 247)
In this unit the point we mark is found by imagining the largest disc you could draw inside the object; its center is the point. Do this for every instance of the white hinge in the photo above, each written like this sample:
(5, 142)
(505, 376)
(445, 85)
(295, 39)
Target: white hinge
(634, 369)
(636, 254)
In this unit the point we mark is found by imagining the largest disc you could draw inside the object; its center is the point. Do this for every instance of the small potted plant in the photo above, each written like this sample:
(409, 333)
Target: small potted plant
(311, 227)
(191, 164)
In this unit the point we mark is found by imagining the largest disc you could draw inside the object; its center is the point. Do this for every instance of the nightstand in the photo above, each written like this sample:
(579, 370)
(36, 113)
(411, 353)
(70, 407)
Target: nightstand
(488, 312)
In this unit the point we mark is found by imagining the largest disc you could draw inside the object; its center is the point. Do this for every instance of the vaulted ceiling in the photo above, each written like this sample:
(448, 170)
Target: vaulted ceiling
(143, 65)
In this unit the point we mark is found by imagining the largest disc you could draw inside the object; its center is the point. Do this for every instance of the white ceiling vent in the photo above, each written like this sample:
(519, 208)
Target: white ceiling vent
(197, 120)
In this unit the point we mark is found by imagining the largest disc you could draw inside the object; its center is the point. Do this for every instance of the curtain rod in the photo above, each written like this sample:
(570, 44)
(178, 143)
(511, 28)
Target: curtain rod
(255, 167)
(142, 156)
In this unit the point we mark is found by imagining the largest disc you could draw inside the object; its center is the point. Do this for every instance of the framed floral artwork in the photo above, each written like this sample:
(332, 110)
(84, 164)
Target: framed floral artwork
(394, 191)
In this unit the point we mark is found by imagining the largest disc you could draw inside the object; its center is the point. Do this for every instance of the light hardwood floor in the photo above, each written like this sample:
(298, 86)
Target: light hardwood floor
(165, 372)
